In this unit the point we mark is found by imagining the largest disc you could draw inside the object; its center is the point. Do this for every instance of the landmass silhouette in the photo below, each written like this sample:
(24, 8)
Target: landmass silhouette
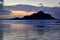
(38, 15)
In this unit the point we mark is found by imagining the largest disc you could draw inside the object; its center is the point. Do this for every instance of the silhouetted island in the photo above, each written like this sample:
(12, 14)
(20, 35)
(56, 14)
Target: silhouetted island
(39, 15)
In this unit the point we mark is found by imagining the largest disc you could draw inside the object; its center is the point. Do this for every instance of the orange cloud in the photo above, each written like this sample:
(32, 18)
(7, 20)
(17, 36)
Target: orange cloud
(21, 13)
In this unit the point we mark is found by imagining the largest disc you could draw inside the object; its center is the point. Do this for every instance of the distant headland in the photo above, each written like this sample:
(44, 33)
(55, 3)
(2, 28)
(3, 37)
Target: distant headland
(38, 15)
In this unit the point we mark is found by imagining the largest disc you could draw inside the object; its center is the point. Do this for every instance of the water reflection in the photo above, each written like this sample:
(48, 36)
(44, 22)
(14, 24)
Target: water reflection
(19, 26)
(1, 32)
(20, 32)
(30, 30)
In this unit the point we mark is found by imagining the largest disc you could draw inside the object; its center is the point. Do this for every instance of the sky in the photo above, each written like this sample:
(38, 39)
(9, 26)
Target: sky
(35, 3)
(49, 3)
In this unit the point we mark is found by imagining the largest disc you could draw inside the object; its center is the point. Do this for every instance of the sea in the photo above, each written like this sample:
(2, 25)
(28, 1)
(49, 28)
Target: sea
(29, 29)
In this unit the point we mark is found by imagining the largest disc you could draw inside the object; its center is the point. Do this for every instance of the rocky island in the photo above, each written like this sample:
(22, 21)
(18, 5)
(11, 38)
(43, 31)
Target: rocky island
(38, 15)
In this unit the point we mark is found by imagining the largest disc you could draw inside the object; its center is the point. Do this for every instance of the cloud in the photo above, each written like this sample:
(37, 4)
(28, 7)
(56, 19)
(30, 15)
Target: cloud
(54, 11)
(59, 3)
(22, 7)
(5, 12)
(1, 0)
(41, 4)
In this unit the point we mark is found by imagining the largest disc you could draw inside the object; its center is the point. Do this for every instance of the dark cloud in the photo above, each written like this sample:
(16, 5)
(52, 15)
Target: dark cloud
(59, 3)
(1, 0)
(41, 4)
(5, 12)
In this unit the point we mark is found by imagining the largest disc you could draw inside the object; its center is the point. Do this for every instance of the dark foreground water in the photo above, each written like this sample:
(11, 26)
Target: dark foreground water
(29, 29)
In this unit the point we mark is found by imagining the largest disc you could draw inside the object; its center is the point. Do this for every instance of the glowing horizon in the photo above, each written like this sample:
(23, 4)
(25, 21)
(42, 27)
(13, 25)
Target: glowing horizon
(15, 13)
(21, 13)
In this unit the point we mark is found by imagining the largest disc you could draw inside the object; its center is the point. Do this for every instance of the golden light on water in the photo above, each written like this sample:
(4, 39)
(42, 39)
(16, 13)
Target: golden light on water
(18, 26)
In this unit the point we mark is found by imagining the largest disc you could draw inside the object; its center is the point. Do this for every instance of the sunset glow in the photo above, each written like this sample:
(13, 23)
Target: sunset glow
(20, 13)
(15, 13)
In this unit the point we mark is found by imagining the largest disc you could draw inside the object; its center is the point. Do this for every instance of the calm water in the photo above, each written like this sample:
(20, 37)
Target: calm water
(30, 29)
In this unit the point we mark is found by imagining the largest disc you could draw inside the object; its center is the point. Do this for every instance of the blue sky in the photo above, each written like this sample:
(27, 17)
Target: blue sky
(33, 2)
